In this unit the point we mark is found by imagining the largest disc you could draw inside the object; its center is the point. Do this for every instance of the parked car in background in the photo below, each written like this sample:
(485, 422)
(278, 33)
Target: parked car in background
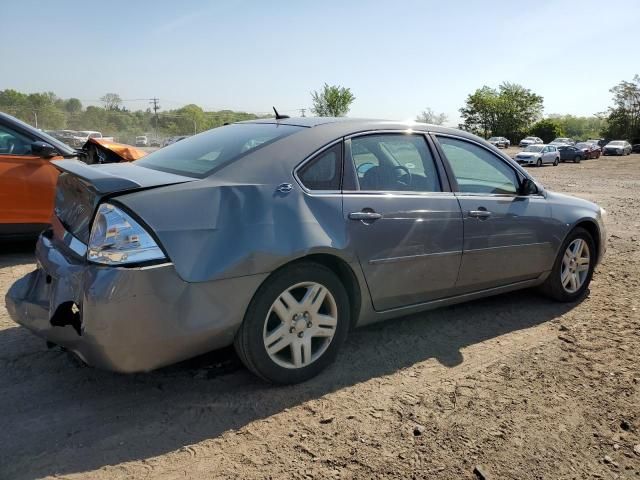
(142, 141)
(525, 142)
(601, 142)
(65, 136)
(617, 147)
(563, 141)
(83, 136)
(635, 148)
(333, 211)
(155, 142)
(570, 153)
(27, 176)
(590, 150)
(538, 155)
(500, 142)
(172, 140)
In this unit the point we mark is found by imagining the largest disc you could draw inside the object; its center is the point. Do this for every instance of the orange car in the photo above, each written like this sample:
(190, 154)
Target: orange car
(28, 179)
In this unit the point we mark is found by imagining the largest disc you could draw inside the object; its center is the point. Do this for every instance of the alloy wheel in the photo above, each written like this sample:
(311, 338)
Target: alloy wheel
(300, 325)
(575, 265)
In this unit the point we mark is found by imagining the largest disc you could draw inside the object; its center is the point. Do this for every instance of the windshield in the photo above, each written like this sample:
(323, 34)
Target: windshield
(533, 148)
(200, 155)
(530, 138)
(583, 145)
(494, 139)
(616, 143)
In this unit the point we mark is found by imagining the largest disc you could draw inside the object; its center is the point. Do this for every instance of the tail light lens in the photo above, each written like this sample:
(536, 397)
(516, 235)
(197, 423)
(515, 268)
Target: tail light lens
(117, 239)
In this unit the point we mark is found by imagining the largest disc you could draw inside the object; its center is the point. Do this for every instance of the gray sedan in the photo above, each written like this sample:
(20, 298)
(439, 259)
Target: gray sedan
(279, 236)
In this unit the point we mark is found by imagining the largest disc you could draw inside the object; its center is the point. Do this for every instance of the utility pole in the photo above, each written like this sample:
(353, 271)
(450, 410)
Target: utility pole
(302, 110)
(35, 114)
(156, 106)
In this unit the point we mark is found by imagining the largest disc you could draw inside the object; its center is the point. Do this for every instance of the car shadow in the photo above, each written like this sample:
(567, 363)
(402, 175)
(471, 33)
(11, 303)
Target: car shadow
(61, 417)
(14, 252)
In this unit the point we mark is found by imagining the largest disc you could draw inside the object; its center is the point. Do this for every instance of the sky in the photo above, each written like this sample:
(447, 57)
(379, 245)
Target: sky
(398, 58)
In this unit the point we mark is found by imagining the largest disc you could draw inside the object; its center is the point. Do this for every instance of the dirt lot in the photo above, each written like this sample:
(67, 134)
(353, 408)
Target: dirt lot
(512, 387)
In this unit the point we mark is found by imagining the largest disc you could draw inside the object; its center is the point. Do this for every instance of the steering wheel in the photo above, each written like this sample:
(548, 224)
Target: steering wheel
(408, 175)
(368, 165)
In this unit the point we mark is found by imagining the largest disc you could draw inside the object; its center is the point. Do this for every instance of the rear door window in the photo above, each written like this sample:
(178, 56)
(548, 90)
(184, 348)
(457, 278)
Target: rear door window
(394, 162)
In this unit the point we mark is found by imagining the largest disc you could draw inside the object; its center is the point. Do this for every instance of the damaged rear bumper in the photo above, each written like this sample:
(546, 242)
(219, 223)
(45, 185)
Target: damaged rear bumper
(126, 319)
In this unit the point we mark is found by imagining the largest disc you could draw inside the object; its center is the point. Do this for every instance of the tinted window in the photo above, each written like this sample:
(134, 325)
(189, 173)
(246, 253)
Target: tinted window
(323, 172)
(477, 170)
(12, 143)
(394, 162)
(200, 155)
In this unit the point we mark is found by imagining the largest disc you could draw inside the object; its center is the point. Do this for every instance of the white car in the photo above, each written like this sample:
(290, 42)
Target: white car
(142, 141)
(525, 142)
(538, 155)
(83, 137)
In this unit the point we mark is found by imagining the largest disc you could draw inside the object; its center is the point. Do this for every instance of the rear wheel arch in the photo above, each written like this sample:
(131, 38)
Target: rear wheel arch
(341, 269)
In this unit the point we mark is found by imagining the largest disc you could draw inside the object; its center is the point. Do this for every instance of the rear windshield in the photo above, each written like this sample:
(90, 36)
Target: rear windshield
(200, 155)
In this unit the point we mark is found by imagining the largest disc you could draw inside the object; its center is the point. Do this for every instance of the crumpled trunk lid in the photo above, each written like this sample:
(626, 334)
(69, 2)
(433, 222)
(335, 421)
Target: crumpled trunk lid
(81, 187)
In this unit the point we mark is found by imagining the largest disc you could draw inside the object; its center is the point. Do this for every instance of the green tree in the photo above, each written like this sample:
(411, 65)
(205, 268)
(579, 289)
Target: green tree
(332, 101)
(623, 121)
(507, 111)
(429, 116)
(547, 129)
(73, 105)
(112, 101)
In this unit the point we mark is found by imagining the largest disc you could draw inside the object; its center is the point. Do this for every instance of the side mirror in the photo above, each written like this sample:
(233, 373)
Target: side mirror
(43, 149)
(528, 187)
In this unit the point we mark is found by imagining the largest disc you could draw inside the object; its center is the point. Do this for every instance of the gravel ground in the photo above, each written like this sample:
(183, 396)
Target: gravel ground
(514, 386)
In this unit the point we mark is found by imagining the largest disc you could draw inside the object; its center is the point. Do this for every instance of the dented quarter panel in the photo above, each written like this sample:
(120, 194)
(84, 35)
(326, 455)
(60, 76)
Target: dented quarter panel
(244, 229)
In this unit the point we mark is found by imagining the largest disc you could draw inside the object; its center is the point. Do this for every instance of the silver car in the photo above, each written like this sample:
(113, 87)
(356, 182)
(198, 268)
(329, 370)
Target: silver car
(538, 155)
(525, 142)
(618, 147)
(281, 235)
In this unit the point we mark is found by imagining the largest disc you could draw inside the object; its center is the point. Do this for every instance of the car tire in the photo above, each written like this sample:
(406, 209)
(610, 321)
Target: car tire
(263, 328)
(556, 162)
(554, 286)
(539, 163)
(577, 159)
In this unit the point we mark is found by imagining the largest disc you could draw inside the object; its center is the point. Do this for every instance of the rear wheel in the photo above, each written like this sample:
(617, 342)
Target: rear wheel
(573, 268)
(556, 162)
(295, 324)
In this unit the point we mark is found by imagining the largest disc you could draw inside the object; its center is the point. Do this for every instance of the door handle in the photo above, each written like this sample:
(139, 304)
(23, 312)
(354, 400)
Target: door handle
(366, 216)
(481, 214)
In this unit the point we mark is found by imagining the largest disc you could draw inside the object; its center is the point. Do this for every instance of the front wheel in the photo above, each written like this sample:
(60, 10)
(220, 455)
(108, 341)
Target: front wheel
(577, 159)
(539, 163)
(573, 268)
(295, 324)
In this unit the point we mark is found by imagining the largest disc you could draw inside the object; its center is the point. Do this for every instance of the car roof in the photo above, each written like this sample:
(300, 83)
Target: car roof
(343, 126)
